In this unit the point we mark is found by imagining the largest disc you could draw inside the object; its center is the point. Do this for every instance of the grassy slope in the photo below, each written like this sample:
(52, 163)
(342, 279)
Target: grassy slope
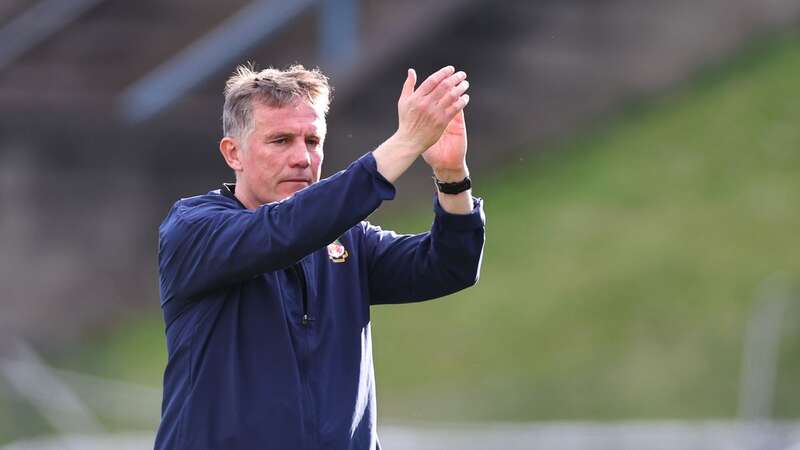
(618, 273)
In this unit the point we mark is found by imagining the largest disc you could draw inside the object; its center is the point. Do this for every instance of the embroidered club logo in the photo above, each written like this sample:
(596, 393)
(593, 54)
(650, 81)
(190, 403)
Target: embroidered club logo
(336, 252)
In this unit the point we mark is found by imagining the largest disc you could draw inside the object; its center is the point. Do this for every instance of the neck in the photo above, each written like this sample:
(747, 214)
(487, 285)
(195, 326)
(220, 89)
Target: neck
(245, 196)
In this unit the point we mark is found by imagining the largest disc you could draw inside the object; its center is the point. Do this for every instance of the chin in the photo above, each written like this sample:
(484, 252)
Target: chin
(284, 195)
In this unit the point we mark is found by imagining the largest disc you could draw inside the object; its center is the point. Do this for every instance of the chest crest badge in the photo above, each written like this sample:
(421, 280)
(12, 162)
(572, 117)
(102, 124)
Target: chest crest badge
(336, 252)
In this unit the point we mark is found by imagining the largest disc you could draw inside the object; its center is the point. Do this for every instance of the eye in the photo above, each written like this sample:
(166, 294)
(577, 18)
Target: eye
(280, 140)
(312, 141)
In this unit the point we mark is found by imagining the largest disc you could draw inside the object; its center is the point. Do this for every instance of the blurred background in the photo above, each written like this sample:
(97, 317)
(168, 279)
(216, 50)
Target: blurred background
(639, 159)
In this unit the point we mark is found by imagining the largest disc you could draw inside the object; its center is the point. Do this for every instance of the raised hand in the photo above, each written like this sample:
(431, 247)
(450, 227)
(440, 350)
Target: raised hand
(448, 156)
(425, 112)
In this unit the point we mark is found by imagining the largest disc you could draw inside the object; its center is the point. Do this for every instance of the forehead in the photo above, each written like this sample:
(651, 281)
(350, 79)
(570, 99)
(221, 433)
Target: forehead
(298, 117)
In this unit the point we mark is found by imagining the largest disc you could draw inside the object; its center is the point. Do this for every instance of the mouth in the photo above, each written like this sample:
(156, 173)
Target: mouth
(305, 181)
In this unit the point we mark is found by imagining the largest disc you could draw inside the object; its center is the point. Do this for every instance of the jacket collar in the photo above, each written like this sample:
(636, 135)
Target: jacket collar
(228, 190)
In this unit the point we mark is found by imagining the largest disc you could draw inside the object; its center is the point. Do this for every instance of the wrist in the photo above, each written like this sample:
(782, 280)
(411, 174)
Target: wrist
(394, 156)
(407, 144)
(451, 175)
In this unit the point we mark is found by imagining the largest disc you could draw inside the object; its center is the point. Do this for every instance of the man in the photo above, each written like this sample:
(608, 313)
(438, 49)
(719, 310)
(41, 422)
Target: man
(266, 284)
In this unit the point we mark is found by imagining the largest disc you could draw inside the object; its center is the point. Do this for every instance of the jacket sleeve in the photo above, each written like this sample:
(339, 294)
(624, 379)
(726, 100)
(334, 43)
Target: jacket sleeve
(210, 245)
(417, 267)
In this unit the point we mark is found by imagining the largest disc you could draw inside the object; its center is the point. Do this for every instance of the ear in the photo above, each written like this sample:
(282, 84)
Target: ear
(231, 151)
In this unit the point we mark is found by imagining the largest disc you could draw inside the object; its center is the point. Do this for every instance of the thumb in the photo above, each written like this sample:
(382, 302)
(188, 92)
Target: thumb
(408, 86)
(459, 118)
(457, 125)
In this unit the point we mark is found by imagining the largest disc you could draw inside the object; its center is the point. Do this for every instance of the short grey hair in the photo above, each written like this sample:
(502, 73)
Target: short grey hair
(273, 87)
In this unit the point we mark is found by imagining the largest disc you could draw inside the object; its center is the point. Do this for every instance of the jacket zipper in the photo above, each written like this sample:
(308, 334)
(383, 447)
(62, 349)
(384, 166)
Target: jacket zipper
(306, 320)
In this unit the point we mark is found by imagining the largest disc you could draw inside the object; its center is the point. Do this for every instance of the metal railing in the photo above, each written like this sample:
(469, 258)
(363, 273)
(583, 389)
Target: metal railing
(221, 47)
(34, 25)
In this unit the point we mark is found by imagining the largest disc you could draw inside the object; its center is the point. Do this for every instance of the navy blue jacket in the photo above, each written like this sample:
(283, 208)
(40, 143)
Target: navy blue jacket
(267, 310)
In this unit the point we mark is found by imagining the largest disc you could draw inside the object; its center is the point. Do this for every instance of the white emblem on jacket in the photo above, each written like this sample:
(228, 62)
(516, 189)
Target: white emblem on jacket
(336, 252)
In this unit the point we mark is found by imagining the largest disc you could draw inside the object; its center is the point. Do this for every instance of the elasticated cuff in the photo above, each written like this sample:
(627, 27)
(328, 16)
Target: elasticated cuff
(460, 222)
(386, 189)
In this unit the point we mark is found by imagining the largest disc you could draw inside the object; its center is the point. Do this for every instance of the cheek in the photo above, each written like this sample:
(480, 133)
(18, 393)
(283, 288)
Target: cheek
(261, 169)
(316, 161)
(267, 162)
(249, 157)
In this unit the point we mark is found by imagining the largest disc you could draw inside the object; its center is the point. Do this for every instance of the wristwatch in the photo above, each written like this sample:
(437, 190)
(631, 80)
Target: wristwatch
(453, 188)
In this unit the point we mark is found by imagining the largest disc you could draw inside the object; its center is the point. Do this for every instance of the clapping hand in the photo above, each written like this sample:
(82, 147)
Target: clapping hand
(431, 115)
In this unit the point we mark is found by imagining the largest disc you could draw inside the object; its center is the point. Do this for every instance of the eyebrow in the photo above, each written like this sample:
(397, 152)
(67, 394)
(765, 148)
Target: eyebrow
(284, 134)
(278, 134)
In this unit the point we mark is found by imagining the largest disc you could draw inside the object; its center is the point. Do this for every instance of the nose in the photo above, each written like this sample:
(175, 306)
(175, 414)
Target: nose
(300, 156)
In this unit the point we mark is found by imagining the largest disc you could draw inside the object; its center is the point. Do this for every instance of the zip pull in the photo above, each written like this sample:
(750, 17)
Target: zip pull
(306, 320)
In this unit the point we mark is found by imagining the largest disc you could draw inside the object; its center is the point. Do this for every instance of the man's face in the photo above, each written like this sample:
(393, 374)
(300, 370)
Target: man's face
(283, 152)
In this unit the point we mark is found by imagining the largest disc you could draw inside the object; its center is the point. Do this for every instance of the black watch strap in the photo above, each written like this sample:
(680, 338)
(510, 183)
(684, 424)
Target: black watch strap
(453, 188)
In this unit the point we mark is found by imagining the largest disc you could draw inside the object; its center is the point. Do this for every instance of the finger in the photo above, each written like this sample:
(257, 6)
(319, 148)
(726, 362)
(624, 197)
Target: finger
(440, 94)
(458, 105)
(432, 81)
(460, 89)
(453, 95)
(408, 86)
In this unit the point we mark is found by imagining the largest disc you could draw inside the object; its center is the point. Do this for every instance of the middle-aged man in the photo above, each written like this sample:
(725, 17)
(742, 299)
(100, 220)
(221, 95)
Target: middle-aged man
(266, 284)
